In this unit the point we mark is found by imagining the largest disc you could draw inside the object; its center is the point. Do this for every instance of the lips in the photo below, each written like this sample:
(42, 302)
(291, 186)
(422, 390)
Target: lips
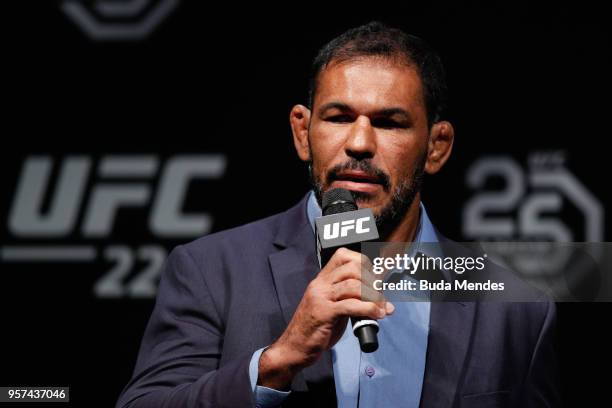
(357, 181)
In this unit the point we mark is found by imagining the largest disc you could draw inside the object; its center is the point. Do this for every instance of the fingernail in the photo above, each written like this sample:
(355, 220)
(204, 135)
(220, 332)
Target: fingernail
(390, 308)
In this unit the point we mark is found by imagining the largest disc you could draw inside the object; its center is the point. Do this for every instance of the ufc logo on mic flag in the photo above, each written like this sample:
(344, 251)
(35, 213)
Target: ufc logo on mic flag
(346, 228)
(330, 231)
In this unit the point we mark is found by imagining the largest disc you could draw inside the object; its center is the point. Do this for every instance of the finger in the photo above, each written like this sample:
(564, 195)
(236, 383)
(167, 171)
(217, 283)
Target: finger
(355, 307)
(347, 271)
(339, 258)
(355, 268)
(354, 288)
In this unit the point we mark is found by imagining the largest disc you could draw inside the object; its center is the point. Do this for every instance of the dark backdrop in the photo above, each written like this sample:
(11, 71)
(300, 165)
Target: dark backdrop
(529, 87)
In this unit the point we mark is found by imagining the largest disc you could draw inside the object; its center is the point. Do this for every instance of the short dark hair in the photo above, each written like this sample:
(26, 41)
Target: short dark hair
(378, 39)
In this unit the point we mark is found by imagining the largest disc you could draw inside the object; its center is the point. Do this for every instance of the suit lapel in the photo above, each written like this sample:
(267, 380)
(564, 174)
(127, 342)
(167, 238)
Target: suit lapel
(450, 330)
(448, 344)
(293, 267)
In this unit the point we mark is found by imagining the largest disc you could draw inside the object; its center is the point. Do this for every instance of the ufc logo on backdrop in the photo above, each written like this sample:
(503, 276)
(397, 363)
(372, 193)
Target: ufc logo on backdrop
(73, 212)
(336, 229)
(105, 198)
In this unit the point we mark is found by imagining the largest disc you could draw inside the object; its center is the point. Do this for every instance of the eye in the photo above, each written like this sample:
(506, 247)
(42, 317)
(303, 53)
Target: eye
(343, 118)
(386, 123)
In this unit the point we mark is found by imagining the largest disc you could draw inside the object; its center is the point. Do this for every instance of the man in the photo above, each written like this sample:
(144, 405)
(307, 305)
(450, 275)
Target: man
(245, 317)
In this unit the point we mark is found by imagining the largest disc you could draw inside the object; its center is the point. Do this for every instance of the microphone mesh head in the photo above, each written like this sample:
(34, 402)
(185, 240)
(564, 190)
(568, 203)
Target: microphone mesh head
(338, 200)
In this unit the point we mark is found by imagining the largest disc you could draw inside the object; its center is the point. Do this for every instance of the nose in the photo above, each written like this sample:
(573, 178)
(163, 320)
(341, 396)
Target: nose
(361, 141)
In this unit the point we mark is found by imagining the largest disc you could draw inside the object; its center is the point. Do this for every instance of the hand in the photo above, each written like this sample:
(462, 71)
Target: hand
(342, 289)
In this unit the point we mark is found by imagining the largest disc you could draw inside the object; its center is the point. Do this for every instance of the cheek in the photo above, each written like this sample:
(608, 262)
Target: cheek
(326, 145)
(400, 158)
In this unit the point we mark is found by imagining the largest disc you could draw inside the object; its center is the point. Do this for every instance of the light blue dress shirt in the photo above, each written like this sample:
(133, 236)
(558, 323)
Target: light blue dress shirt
(392, 375)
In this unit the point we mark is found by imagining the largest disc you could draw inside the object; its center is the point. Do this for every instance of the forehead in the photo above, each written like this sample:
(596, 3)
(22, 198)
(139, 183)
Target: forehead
(369, 83)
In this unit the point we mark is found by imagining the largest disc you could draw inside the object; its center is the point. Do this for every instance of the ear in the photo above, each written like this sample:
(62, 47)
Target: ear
(300, 119)
(439, 147)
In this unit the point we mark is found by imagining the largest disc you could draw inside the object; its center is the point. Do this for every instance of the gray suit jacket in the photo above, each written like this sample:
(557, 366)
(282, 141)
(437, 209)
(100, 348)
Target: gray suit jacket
(228, 294)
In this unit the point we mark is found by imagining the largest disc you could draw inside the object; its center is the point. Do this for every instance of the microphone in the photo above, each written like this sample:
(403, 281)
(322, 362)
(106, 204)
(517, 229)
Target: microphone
(343, 225)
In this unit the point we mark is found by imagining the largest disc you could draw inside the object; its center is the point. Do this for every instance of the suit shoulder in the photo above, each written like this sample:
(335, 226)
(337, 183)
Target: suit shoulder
(255, 234)
(262, 230)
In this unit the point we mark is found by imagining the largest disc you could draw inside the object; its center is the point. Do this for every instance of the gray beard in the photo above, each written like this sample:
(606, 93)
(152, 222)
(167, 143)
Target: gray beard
(393, 213)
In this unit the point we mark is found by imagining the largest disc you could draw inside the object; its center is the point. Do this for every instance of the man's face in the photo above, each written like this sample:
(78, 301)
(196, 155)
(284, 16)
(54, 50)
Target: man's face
(368, 133)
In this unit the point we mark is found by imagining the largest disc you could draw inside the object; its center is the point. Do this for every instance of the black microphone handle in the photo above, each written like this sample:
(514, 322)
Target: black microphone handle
(366, 330)
(337, 201)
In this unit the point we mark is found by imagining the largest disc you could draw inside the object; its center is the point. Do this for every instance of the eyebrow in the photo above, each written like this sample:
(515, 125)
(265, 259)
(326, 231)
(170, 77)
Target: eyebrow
(385, 112)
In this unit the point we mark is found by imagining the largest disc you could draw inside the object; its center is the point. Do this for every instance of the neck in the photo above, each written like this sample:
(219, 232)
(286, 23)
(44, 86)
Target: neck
(406, 230)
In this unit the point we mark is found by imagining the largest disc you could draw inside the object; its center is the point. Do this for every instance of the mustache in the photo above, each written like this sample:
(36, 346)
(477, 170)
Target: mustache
(365, 166)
